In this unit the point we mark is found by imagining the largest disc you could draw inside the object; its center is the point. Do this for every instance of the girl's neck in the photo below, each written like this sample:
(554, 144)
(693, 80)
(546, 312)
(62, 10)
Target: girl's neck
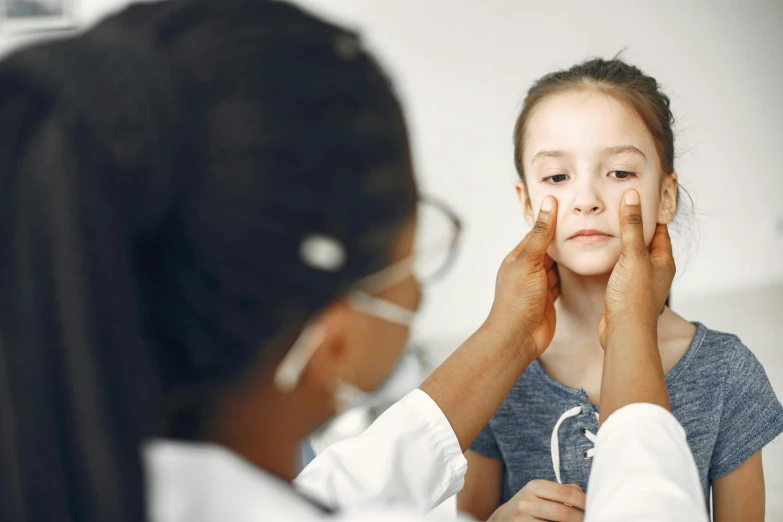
(581, 303)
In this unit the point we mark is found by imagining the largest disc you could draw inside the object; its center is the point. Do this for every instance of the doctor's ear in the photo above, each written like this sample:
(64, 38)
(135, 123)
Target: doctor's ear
(326, 340)
(524, 200)
(669, 191)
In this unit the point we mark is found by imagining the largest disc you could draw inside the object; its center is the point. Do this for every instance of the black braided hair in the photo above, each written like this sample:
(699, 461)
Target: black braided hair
(157, 177)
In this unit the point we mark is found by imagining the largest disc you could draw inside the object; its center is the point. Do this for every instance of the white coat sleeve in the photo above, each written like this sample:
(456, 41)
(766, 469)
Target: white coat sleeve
(644, 470)
(409, 456)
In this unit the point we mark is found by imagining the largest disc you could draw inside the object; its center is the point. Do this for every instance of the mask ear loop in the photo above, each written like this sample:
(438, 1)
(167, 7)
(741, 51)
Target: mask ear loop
(324, 253)
(381, 308)
(295, 361)
(293, 364)
(328, 254)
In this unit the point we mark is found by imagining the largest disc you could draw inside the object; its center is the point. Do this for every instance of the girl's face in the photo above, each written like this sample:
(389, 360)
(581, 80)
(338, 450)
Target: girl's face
(586, 149)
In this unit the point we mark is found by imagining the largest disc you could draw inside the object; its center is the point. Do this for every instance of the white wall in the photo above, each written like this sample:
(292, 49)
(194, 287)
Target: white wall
(463, 68)
(85, 13)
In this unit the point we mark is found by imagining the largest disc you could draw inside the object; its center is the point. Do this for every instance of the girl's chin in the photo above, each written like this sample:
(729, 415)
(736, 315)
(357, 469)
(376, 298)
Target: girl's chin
(593, 273)
(591, 269)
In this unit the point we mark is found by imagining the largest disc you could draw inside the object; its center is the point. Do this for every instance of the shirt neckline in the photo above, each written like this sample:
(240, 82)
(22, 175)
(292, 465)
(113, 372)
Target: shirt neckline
(670, 376)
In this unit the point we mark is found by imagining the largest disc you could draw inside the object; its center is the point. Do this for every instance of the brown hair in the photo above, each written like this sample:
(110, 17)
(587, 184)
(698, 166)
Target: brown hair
(624, 82)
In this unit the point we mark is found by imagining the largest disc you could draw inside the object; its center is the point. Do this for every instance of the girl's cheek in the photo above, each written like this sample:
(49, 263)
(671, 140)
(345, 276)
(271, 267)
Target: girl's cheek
(553, 252)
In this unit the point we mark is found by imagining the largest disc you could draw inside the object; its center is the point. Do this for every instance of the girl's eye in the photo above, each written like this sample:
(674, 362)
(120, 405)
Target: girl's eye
(557, 178)
(621, 174)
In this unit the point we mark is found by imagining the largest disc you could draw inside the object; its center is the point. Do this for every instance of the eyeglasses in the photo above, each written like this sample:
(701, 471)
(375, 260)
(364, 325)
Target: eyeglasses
(438, 230)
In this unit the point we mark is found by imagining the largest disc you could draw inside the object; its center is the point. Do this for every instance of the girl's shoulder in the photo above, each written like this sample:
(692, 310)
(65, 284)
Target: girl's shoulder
(747, 413)
(721, 369)
(692, 349)
(716, 348)
(719, 365)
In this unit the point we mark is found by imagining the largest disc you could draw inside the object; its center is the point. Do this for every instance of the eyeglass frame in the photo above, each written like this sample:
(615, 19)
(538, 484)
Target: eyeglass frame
(398, 271)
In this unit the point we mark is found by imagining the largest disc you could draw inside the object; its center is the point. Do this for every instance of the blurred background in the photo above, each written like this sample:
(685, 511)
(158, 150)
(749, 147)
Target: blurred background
(462, 68)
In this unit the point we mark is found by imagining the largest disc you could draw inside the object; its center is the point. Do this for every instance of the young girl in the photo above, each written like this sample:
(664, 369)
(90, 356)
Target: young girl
(586, 135)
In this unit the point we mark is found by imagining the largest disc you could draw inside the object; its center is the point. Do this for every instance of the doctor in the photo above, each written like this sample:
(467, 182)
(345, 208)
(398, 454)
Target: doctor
(209, 220)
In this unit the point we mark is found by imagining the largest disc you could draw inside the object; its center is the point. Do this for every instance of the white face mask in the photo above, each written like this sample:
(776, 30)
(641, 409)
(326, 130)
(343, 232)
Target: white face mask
(347, 395)
(405, 376)
(425, 264)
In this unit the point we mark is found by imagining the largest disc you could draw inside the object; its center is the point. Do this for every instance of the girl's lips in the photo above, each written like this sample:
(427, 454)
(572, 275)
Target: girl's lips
(591, 238)
(590, 235)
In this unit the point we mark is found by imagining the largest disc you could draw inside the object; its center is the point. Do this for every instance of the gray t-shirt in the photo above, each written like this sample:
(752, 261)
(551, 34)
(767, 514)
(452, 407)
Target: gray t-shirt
(718, 390)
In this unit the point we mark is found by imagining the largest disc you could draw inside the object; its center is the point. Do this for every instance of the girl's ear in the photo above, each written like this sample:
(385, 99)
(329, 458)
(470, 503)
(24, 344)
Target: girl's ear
(668, 208)
(524, 200)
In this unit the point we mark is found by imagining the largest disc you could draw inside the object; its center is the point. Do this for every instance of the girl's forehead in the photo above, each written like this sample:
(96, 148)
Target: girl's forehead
(583, 121)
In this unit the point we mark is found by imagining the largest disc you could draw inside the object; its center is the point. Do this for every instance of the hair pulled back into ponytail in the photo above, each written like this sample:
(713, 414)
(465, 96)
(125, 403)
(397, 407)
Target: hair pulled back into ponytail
(626, 83)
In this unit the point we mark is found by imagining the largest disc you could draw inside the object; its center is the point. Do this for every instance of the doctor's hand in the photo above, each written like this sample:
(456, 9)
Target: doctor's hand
(641, 280)
(527, 285)
(473, 382)
(543, 500)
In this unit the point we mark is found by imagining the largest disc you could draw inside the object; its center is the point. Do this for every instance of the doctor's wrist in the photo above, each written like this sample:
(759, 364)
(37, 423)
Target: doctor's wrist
(630, 330)
(511, 339)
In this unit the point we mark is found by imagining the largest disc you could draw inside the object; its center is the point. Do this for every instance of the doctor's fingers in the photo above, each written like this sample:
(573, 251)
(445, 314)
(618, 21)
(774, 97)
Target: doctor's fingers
(543, 231)
(552, 278)
(536, 242)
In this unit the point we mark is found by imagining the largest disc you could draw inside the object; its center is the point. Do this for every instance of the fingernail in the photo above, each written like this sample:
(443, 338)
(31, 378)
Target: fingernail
(546, 205)
(632, 197)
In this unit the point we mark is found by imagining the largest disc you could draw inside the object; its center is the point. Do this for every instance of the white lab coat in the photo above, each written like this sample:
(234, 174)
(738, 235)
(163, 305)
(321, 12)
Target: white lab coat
(408, 462)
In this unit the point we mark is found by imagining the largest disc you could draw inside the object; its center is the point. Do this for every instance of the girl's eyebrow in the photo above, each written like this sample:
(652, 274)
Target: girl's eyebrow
(548, 154)
(608, 151)
(623, 149)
